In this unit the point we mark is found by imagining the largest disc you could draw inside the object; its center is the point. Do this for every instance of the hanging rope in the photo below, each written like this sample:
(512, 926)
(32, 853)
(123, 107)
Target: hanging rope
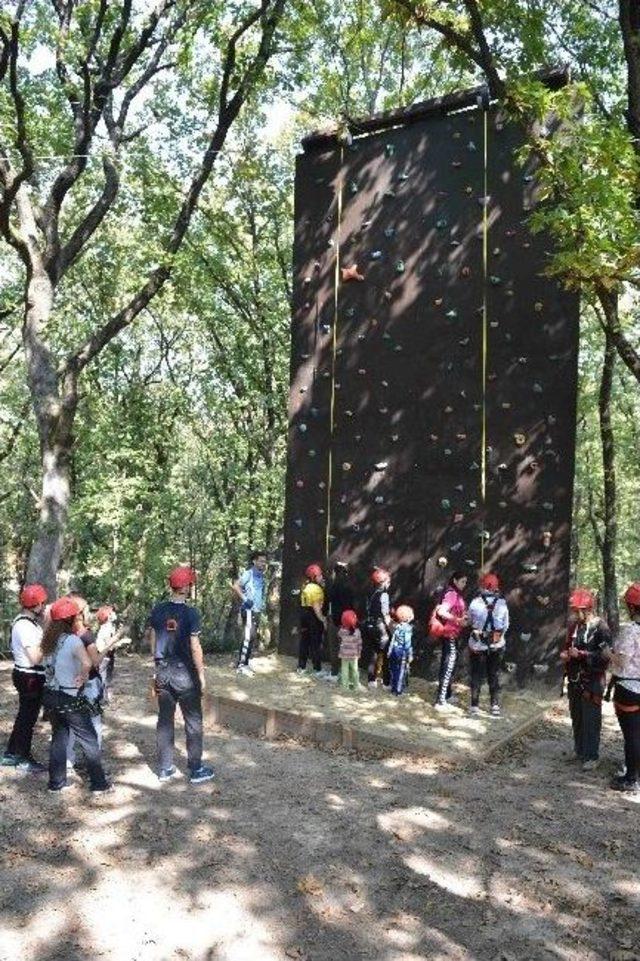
(334, 344)
(485, 325)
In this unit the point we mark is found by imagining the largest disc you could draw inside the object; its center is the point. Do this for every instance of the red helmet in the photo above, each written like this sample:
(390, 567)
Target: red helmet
(63, 609)
(404, 614)
(31, 595)
(313, 572)
(379, 576)
(489, 582)
(103, 614)
(181, 577)
(581, 599)
(632, 595)
(349, 620)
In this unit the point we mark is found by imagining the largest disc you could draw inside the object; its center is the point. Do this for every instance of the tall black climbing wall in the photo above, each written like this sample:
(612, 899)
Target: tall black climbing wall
(433, 374)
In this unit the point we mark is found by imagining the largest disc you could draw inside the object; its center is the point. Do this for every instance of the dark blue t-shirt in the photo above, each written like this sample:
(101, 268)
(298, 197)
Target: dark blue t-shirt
(174, 623)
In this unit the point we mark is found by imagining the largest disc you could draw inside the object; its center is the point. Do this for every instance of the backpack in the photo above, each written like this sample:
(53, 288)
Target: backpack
(436, 628)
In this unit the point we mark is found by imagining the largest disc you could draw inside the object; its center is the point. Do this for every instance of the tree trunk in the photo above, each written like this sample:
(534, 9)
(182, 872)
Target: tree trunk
(610, 534)
(55, 411)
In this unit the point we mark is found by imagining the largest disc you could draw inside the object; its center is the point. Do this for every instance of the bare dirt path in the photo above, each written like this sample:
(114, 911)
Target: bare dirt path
(294, 853)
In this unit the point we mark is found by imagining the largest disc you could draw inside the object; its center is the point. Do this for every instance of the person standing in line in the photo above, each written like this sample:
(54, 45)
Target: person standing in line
(93, 688)
(350, 649)
(313, 622)
(452, 613)
(28, 678)
(251, 589)
(489, 619)
(106, 618)
(67, 666)
(400, 650)
(341, 597)
(585, 659)
(625, 664)
(174, 637)
(378, 628)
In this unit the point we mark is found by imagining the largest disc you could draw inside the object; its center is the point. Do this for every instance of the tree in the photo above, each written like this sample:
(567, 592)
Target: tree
(106, 58)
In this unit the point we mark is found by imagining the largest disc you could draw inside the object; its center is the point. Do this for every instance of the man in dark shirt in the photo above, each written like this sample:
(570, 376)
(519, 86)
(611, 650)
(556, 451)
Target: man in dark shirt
(174, 636)
(340, 597)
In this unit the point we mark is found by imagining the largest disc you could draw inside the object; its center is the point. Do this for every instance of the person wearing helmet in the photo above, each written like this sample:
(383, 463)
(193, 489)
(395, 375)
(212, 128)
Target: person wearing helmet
(313, 622)
(67, 667)
(174, 638)
(341, 597)
(93, 688)
(350, 641)
(377, 628)
(251, 590)
(400, 650)
(452, 615)
(28, 677)
(625, 664)
(489, 619)
(585, 659)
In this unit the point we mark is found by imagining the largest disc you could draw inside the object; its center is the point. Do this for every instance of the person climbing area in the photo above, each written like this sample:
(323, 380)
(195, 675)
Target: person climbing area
(350, 649)
(400, 649)
(377, 628)
(67, 666)
(585, 658)
(447, 624)
(174, 637)
(625, 667)
(313, 622)
(340, 597)
(28, 678)
(251, 590)
(489, 620)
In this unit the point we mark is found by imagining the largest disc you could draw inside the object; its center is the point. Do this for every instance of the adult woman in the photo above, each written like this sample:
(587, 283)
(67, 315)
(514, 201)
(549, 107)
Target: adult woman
(452, 613)
(67, 666)
(625, 664)
(585, 659)
(313, 622)
(377, 629)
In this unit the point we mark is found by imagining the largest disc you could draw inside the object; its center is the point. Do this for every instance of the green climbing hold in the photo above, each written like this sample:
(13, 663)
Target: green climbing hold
(495, 281)
(451, 314)
(400, 268)
(390, 149)
(445, 504)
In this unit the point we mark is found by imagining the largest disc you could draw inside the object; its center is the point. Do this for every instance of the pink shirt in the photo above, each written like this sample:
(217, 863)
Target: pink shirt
(452, 603)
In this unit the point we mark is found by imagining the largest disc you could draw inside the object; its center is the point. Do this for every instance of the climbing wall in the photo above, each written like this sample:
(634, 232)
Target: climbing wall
(433, 374)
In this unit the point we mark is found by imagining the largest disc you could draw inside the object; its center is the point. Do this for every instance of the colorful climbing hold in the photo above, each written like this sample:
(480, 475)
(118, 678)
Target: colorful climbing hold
(351, 273)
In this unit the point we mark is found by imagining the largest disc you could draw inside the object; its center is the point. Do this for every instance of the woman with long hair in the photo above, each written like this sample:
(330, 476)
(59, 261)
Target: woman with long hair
(67, 666)
(625, 664)
(452, 613)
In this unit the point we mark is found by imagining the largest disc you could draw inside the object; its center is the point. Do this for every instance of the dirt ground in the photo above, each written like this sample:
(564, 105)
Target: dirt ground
(295, 853)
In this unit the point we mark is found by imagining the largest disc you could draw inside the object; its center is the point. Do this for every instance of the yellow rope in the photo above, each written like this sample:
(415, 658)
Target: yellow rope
(336, 289)
(485, 260)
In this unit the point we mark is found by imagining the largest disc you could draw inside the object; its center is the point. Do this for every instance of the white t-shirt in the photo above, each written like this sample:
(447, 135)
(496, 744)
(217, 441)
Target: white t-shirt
(627, 644)
(25, 634)
(64, 665)
(478, 611)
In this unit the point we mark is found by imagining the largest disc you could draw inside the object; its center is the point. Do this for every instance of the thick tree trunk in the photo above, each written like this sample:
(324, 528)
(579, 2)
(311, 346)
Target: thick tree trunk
(610, 534)
(54, 406)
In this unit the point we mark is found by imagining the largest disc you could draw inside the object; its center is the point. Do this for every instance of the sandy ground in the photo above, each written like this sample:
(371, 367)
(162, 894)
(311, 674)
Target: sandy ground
(294, 853)
(407, 720)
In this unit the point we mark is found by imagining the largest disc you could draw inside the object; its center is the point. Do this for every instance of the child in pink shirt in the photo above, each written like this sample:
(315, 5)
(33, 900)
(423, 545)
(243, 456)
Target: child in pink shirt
(350, 641)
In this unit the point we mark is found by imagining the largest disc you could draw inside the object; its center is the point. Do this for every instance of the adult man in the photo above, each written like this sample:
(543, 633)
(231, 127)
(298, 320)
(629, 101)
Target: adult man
(251, 589)
(28, 677)
(174, 637)
(489, 619)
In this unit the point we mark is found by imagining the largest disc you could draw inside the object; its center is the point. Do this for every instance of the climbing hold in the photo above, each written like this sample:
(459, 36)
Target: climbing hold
(502, 467)
(351, 311)
(474, 466)
(390, 193)
(379, 499)
(543, 599)
(299, 483)
(538, 306)
(546, 538)
(466, 272)
(441, 223)
(445, 504)
(298, 521)
(448, 409)
(348, 413)
(442, 561)
(395, 437)
(346, 466)
(433, 437)
(398, 348)
(326, 328)
(383, 410)
(456, 164)
(448, 452)
(389, 231)
(510, 232)
(468, 189)
(362, 371)
(505, 405)
(390, 149)
(312, 453)
(375, 255)
(458, 518)
(381, 465)
(461, 436)
(502, 504)
(459, 488)
(537, 388)
(302, 428)
(464, 341)
(530, 568)
(471, 147)
(547, 506)
(388, 295)
(320, 510)
(469, 562)
(384, 383)
(322, 485)
(525, 636)
(484, 201)
(305, 356)
(400, 267)
(519, 439)
(331, 243)
(473, 505)
(351, 273)
(326, 374)
(454, 243)
(456, 547)
(495, 281)
(451, 314)
(353, 187)
(390, 528)
(387, 336)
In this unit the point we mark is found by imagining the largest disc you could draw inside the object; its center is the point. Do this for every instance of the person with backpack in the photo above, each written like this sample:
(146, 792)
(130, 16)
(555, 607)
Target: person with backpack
(350, 649)
(251, 590)
(313, 621)
(400, 649)
(625, 663)
(447, 623)
(93, 688)
(67, 666)
(28, 677)
(174, 637)
(377, 628)
(489, 620)
(585, 658)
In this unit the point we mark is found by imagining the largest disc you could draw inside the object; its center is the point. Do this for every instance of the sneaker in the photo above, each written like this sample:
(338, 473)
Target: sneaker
(10, 760)
(372, 684)
(201, 774)
(386, 687)
(474, 711)
(59, 790)
(626, 787)
(320, 675)
(590, 765)
(332, 678)
(495, 710)
(31, 766)
(245, 670)
(108, 788)
(301, 670)
(440, 706)
(166, 773)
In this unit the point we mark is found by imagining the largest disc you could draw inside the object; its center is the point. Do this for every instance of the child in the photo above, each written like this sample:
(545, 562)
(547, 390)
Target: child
(350, 641)
(400, 650)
